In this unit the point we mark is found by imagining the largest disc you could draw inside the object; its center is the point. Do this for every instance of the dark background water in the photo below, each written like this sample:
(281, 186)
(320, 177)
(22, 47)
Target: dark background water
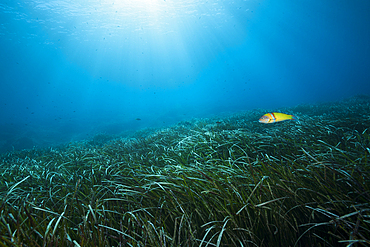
(74, 68)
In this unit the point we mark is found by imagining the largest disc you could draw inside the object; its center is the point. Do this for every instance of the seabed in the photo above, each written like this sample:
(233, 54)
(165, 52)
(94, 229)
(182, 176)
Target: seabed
(227, 181)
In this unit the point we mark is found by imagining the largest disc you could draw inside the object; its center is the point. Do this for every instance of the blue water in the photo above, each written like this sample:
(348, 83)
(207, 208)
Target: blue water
(71, 68)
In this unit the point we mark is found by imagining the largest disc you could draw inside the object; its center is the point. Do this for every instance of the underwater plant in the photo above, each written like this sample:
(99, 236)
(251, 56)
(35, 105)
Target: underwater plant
(199, 183)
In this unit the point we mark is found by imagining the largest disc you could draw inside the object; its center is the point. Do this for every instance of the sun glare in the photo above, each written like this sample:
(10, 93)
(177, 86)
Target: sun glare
(135, 4)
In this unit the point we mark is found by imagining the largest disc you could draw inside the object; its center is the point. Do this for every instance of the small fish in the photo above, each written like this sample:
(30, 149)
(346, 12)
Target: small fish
(273, 117)
(138, 119)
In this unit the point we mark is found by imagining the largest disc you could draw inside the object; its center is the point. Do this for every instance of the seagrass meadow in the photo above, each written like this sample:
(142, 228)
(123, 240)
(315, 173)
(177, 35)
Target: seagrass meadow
(227, 181)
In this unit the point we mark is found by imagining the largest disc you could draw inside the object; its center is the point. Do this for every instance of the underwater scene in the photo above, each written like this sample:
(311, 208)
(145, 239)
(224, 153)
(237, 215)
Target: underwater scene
(184, 123)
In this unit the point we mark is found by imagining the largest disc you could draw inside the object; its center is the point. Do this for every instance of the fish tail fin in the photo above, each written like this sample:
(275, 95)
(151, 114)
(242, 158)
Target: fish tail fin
(294, 117)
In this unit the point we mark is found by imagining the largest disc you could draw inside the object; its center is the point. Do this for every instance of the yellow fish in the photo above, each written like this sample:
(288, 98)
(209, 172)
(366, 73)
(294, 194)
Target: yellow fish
(273, 117)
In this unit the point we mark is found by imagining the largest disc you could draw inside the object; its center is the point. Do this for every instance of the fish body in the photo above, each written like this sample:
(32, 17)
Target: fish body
(273, 117)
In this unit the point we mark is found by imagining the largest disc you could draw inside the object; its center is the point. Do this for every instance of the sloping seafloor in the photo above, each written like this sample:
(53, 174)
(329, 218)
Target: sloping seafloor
(227, 181)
